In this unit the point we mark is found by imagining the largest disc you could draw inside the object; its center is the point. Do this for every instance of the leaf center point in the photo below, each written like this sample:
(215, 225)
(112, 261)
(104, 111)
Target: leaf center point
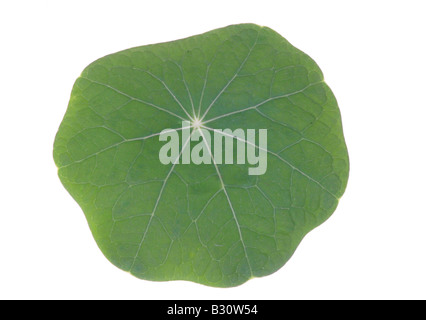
(196, 123)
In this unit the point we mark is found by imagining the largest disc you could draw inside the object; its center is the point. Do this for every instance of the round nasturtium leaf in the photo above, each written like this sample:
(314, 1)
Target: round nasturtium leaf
(211, 222)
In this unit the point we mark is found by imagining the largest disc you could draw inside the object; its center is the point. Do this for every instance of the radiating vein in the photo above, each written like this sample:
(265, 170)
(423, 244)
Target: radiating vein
(167, 88)
(261, 103)
(202, 91)
(276, 155)
(229, 202)
(231, 80)
(157, 201)
(121, 142)
(187, 90)
(134, 98)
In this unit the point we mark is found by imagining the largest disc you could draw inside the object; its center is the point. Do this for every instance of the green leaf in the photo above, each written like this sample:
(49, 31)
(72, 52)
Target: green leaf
(210, 223)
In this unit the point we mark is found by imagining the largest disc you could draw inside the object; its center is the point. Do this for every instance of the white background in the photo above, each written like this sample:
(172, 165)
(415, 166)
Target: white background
(373, 56)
